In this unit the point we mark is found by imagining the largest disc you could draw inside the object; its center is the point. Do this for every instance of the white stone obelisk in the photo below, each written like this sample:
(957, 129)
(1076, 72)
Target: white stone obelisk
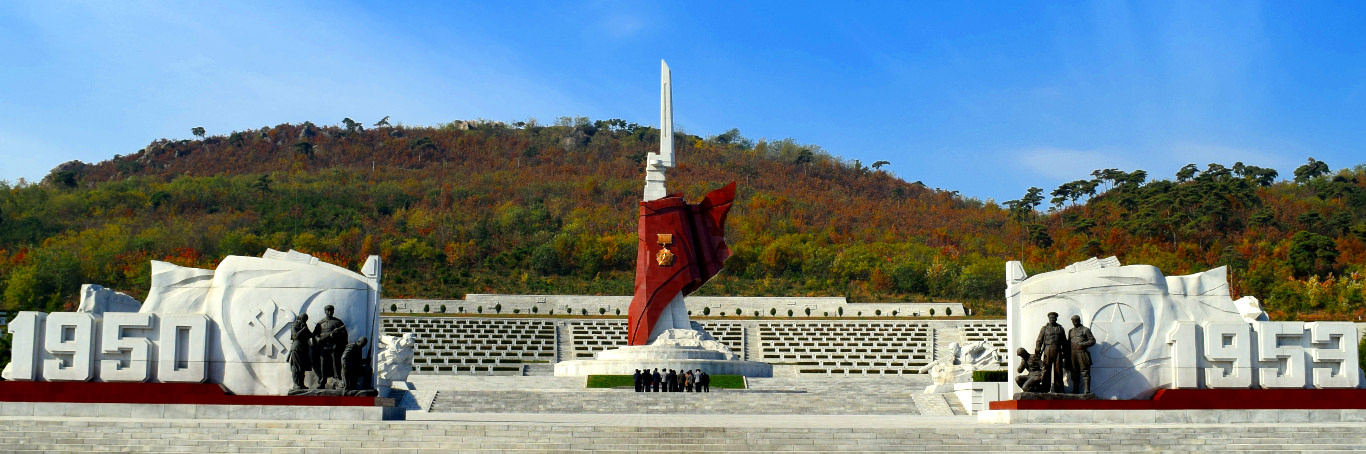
(657, 163)
(675, 315)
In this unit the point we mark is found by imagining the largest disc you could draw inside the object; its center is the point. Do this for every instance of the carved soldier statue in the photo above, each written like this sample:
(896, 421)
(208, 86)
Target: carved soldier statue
(1050, 348)
(1031, 378)
(355, 365)
(1080, 339)
(329, 341)
(300, 356)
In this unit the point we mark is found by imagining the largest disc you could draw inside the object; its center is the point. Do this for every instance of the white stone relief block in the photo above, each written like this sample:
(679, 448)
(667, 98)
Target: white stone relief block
(1185, 364)
(1154, 331)
(1228, 348)
(24, 329)
(1281, 359)
(69, 341)
(1335, 366)
(125, 347)
(184, 345)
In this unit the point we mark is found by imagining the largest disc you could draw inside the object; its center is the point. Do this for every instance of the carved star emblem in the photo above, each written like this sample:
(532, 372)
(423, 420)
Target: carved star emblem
(1115, 325)
(271, 324)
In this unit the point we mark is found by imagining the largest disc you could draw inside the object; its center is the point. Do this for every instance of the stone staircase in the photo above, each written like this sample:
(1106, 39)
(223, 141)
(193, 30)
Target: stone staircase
(564, 343)
(945, 335)
(803, 395)
(753, 348)
(538, 370)
(630, 435)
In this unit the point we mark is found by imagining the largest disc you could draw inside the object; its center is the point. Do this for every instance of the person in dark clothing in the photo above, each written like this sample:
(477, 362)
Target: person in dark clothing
(1049, 349)
(356, 366)
(687, 381)
(637, 380)
(1031, 378)
(329, 341)
(654, 387)
(706, 382)
(300, 360)
(1079, 364)
(672, 379)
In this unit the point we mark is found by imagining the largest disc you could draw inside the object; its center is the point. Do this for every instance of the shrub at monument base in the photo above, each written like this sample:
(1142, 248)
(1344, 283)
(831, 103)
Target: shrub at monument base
(990, 375)
(627, 381)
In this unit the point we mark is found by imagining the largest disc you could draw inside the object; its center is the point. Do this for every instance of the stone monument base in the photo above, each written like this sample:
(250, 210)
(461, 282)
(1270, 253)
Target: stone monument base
(678, 349)
(336, 392)
(630, 359)
(1053, 396)
(182, 401)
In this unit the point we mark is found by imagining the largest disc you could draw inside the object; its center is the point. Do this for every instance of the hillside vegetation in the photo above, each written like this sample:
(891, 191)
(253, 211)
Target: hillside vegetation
(483, 207)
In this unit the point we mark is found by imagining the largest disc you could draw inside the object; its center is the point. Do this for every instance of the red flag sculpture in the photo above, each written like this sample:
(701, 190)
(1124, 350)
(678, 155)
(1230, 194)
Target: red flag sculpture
(681, 246)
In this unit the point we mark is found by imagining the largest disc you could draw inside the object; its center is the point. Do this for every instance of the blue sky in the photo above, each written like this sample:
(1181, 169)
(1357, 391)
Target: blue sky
(984, 98)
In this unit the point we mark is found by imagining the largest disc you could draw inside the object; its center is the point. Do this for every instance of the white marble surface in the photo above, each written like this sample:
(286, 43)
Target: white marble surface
(98, 300)
(656, 164)
(682, 349)
(395, 358)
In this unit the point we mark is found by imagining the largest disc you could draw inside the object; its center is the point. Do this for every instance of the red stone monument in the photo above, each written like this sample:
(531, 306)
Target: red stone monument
(681, 246)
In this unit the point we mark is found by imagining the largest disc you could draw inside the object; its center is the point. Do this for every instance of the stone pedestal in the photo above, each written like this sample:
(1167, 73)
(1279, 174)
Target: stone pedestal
(678, 349)
(1053, 396)
(976, 396)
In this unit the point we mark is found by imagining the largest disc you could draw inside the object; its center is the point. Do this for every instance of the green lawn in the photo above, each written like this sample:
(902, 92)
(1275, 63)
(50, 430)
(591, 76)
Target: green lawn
(627, 381)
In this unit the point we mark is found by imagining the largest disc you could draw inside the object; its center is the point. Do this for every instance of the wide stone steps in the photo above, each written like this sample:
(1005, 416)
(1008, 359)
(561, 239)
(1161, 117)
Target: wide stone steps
(85, 435)
(873, 384)
(754, 402)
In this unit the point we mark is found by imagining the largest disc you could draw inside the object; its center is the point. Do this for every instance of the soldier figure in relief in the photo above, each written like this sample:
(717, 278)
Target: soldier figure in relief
(1050, 349)
(356, 365)
(1031, 372)
(300, 358)
(1080, 361)
(329, 341)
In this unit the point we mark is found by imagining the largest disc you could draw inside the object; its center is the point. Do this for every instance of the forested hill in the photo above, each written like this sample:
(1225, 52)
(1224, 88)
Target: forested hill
(478, 207)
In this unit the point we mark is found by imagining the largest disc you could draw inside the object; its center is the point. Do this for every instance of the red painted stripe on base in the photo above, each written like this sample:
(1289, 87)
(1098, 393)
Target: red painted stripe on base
(157, 393)
(1209, 399)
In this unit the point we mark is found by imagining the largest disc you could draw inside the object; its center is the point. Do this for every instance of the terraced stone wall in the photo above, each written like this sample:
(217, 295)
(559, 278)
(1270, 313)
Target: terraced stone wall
(507, 346)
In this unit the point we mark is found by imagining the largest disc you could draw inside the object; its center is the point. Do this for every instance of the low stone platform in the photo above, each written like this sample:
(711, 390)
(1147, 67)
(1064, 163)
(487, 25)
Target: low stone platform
(1228, 416)
(202, 411)
(182, 401)
(846, 425)
(679, 349)
(1199, 399)
(806, 395)
(661, 434)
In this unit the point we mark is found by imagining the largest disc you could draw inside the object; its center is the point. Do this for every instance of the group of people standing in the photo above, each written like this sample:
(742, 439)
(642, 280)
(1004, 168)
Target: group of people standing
(672, 381)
